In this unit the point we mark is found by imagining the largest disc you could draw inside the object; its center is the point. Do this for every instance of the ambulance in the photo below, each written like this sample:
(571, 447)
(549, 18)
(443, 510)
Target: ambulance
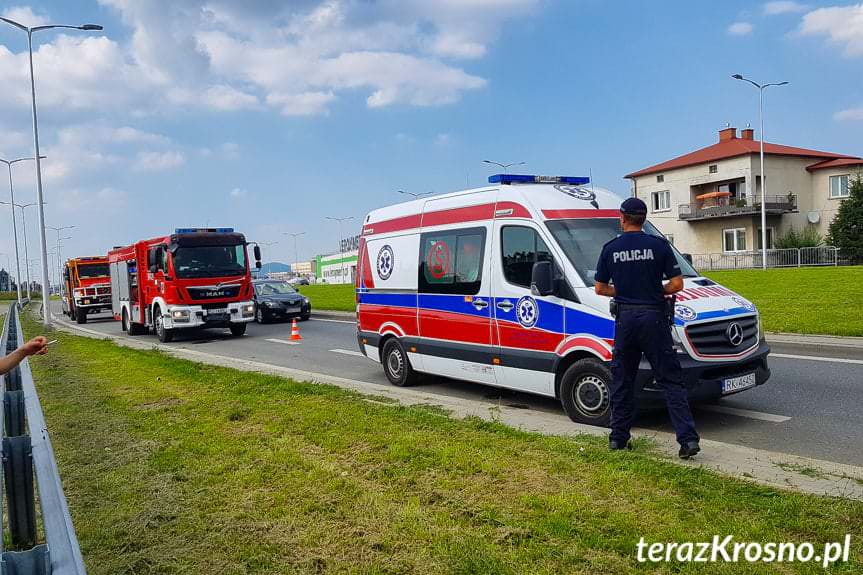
(495, 286)
(193, 278)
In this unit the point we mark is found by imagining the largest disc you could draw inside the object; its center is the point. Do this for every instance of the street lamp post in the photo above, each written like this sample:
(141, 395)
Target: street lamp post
(59, 258)
(14, 222)
(296, 254)
(414, 194)
(24, 233)
(761, 88)
(504, 166)
(340, 220)
(43, 244)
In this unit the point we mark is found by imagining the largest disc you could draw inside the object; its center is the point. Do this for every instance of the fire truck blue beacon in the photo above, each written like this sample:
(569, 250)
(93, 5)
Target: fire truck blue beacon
(496, 285)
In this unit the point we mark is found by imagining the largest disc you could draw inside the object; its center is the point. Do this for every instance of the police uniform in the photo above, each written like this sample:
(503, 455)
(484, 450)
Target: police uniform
(636, 263)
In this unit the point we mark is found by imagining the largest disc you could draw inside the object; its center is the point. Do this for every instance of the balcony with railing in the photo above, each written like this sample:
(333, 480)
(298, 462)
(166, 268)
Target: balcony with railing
(724, 205)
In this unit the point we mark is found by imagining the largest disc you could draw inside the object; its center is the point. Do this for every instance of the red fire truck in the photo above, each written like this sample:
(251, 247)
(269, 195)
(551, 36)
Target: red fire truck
(87, 288)
(193, 278)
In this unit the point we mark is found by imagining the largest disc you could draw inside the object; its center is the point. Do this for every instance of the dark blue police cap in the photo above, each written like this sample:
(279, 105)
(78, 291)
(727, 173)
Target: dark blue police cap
(633, 207)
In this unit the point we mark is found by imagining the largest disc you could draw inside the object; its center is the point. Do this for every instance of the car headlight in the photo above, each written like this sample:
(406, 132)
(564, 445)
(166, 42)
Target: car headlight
(180, 315)
(306, 300)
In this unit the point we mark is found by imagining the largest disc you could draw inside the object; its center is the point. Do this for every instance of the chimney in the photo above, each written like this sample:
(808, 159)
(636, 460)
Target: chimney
(727, 134)
(747, 134)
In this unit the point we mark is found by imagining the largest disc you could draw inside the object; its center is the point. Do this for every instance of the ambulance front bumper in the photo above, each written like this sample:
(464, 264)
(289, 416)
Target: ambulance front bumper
(706, 381)
(183, 316)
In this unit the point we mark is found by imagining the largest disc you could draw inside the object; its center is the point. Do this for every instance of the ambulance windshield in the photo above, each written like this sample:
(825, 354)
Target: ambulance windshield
(210, 261)
(582, 241)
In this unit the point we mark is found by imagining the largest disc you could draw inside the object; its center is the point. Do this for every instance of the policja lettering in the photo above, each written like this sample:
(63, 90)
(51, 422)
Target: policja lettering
(633, 255)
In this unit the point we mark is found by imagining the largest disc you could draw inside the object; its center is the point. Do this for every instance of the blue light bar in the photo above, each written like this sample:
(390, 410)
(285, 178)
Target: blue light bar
(529, 179)
(204, 230)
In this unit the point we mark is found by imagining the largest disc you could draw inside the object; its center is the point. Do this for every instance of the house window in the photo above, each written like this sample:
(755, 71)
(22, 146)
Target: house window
(734, 240)
(713, 168)
(660, 178)
(661, 201)
(771, 236)
(839, 186)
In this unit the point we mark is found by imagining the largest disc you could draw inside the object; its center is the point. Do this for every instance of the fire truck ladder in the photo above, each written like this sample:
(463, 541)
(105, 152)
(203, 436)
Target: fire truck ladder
(27, 453)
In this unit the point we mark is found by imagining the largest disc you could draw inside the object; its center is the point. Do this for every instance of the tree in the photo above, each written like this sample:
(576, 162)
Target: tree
(846, 229)
(808, 238)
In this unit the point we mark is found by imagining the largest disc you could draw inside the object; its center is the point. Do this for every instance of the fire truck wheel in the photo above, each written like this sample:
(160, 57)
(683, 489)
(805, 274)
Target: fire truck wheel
(165, 335)
(238, 329)
(124, 321)
(81, 316)
(397, 366)
(585, 392)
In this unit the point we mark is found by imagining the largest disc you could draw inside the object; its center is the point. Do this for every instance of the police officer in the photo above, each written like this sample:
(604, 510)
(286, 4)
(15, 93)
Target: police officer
(636, 264)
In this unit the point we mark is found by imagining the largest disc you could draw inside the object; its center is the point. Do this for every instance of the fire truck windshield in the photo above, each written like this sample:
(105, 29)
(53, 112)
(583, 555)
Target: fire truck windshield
(92, 270)
(209, 261)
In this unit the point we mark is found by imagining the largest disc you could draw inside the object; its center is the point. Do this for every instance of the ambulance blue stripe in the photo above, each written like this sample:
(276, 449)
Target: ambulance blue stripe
(719, 313)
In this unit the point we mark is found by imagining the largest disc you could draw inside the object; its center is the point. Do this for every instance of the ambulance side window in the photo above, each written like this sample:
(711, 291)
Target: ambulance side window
(451, 261)
(521, 247)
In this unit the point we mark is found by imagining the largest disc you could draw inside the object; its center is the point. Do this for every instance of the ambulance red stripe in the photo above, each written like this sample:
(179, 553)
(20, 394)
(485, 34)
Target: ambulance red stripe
(579, 214)
(444, 217)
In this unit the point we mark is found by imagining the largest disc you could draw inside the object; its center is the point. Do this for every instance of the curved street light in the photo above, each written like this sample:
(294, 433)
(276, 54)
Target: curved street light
(504, 166)
(43, 244)
(761, 88)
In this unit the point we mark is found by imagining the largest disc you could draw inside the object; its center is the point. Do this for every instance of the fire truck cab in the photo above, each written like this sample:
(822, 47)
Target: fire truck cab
(86, 286)
(193, 278)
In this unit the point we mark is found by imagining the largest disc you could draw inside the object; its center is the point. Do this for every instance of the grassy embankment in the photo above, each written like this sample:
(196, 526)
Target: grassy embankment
(338, 297)
(175, 467)
(803, 300)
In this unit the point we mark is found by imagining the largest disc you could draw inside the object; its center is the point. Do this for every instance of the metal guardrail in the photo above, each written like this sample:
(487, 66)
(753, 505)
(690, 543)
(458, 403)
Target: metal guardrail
(27, 452)
(784, 258)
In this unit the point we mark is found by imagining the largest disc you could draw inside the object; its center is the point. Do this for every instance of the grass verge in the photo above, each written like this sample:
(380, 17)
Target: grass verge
(175, 467)
(338, 297)
(802, 300)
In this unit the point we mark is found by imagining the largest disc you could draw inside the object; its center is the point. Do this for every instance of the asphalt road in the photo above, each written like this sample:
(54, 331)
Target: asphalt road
(809, 407)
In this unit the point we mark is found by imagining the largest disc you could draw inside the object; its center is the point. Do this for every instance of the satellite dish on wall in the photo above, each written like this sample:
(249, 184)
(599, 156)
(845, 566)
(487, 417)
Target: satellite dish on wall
(813, 217)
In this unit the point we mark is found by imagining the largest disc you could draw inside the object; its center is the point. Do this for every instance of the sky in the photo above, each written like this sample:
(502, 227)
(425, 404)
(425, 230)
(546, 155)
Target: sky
(270, 116)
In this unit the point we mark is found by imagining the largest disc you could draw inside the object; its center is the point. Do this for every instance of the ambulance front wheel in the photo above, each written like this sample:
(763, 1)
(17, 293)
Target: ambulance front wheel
(397, 366)
(585, 392)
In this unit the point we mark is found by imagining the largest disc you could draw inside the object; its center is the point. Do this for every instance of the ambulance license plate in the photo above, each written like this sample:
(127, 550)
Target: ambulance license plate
(735, 384)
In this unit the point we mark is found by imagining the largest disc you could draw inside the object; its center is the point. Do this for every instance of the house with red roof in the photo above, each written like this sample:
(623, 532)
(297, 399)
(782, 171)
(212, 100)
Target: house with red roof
(709, 200)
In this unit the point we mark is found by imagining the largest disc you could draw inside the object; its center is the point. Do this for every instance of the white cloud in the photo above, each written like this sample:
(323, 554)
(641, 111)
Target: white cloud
(850, 114)
(442, 139)
(239, 193)
(843, 25)
(302, 104)
(93, 134)
(158, 161)
(740, 29)
(24, 15)
(230, 150)
(227, 98)
(783, 7)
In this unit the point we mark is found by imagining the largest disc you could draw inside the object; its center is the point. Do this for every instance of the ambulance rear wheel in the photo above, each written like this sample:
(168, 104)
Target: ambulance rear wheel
(585, 392)
(164, 334)
(397, 366)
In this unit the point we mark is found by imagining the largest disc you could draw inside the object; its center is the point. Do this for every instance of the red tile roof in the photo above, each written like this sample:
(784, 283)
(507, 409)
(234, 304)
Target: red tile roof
(731, 148)
(837, 163)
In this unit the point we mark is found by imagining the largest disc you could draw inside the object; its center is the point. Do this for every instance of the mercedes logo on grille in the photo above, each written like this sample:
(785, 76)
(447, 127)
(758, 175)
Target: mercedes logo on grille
(734, 333)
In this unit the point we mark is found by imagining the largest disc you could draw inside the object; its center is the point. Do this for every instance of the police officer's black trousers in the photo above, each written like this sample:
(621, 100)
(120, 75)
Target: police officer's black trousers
(645, 330)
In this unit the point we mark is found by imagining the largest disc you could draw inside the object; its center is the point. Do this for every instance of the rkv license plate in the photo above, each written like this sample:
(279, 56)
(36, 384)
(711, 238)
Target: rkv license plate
(735, 384)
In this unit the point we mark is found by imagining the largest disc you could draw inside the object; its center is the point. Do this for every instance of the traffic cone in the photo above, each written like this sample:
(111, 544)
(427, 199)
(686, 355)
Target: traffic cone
(295, 331)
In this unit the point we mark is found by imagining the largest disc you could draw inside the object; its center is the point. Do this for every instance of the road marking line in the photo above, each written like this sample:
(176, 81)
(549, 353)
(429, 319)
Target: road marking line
(284, 341)
(333, 320)
(745, 413)
(817, 358)
(348, 352)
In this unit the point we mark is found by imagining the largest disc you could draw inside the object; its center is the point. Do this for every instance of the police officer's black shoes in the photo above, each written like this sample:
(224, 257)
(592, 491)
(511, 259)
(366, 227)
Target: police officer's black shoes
(615, 445)
(688, 449)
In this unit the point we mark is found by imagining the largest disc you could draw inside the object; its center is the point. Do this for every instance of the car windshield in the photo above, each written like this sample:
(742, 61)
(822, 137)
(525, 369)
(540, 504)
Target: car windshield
(274, 288)
(582, 241)
(92, 270)
(210, 261)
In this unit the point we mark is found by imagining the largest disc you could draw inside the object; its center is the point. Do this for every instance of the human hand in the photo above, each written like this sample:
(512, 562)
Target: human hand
(36, 346)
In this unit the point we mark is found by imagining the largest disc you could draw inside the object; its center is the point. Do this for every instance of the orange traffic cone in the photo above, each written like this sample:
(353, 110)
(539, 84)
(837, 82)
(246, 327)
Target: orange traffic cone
(295, 331)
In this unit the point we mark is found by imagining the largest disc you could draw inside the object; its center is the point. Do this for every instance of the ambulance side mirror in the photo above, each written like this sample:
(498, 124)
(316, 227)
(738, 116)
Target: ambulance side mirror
(542, 279)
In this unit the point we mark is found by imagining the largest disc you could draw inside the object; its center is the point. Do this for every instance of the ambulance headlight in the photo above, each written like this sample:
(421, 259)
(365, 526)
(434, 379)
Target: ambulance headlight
(248, 310)
(180, 315)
